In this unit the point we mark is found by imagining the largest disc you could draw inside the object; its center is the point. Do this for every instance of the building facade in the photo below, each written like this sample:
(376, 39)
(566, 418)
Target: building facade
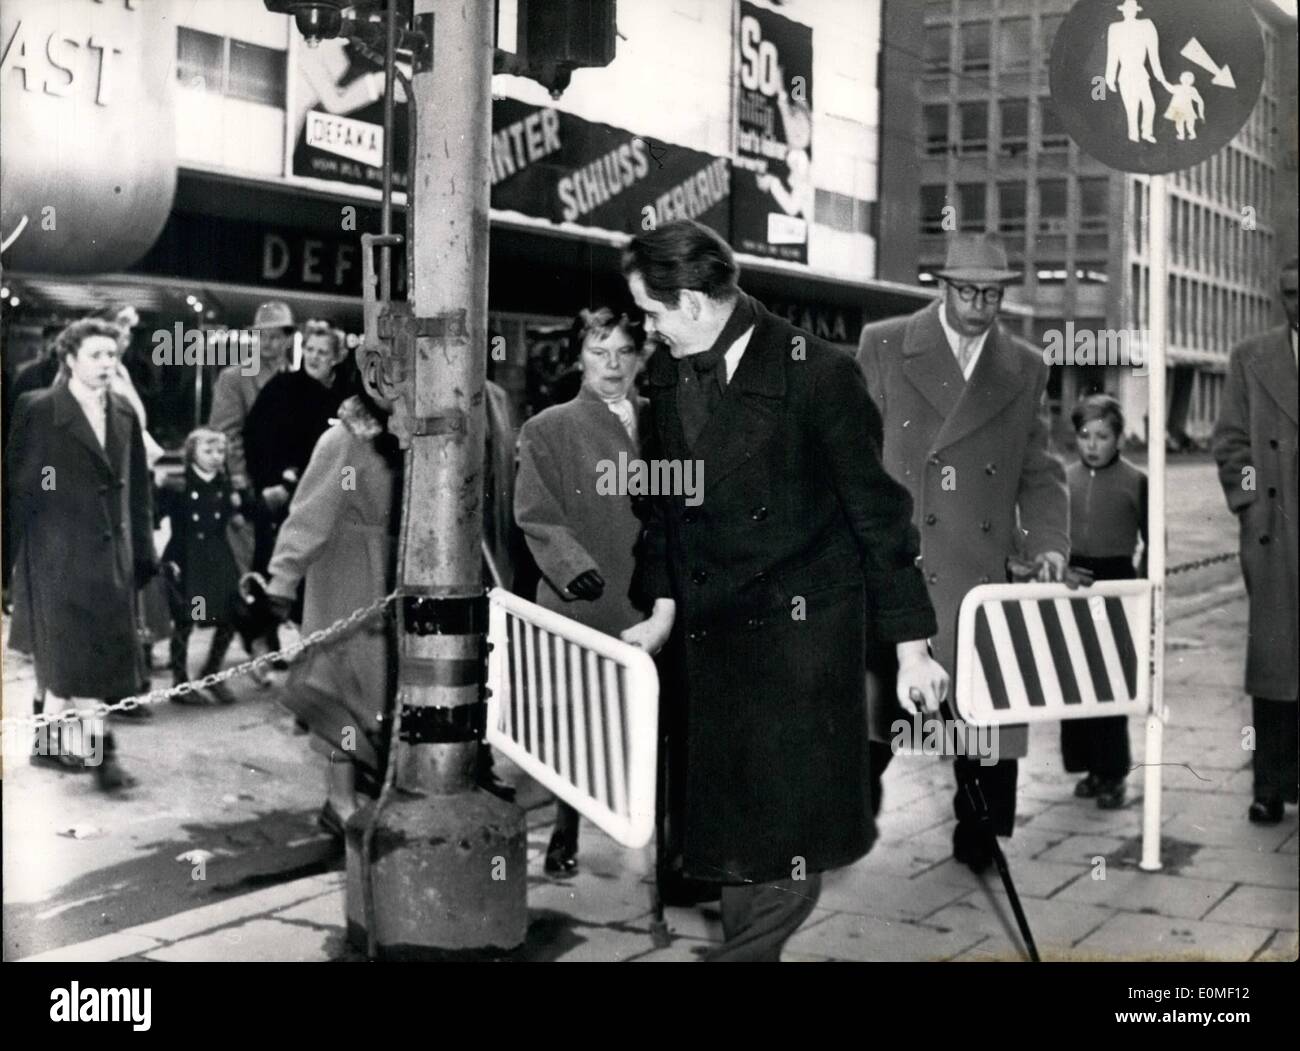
(966, 99)
(756, 117)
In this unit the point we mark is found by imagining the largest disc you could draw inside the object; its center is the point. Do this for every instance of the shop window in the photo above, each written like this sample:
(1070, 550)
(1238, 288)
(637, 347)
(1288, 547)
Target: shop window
(1094, 203)
(974, 127)
(1014, 117)
(256, 74)
(971, 213)
(1053, 135)
(230, 67)
(1052, 206)
(933, 201)
(1011, 207)
(1014, 45)
(1048, 27)
(938, 57)
(975, 47)
(200, 59)
(936, 129)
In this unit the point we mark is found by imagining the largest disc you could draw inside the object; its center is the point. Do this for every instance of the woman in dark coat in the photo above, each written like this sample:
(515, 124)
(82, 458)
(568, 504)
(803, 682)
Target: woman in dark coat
(583, 539)
(82, 517)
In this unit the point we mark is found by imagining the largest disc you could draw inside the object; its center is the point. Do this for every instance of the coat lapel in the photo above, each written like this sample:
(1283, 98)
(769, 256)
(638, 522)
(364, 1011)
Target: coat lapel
(995, 381)
(928, 362)
(68, 414)
(750, 407)
(1276, 369)
(120, 416)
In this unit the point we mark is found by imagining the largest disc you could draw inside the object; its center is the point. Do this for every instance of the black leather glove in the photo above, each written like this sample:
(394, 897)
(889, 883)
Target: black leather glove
(588, 586)
(145, 570)
(279, 607)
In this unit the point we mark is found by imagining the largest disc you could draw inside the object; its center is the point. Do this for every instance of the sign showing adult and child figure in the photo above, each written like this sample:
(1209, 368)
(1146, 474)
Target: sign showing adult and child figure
(1206, 58)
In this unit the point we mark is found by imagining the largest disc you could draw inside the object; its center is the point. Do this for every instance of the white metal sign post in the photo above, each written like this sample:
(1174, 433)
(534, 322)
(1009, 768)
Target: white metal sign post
(1154, 87)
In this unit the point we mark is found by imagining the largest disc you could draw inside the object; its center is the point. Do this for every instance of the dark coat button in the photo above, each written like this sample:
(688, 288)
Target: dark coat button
(108, 535)
(1272, 490)
(758, 514)
(933, 578)
(760, 578)
(931, 518)
(986, 525)
(696, 636)
(990, 468)
(699, 576)
(1272, 443)
(984, 580)
(1264, 539)
(935, 460)
(200, 534)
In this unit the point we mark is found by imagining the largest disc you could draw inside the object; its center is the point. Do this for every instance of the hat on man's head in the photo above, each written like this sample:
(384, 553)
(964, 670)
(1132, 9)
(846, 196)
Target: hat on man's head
(977, 257)
(274, 314)
(1129, 5)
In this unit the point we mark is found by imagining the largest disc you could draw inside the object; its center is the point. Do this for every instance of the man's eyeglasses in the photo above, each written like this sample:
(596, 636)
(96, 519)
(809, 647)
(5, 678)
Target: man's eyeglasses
(990, 294)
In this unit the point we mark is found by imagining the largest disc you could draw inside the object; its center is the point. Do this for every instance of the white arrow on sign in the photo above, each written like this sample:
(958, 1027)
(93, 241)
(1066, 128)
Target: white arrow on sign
(1194, 52)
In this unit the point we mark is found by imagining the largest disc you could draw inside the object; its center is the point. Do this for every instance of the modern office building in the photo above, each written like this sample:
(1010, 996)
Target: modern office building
(970, 141)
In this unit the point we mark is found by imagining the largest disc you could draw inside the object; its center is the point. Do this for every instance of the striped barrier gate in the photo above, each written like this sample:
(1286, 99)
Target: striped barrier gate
(1045, 652)
(578, 711)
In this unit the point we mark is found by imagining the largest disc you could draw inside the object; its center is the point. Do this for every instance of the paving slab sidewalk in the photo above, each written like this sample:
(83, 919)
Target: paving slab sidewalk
(1227, 890)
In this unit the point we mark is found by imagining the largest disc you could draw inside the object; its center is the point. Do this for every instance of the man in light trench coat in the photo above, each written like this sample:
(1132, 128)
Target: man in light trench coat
(1255, 446)
(964, 432)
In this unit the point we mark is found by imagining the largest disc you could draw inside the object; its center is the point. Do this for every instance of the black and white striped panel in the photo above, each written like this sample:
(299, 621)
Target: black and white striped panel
(1033, 652)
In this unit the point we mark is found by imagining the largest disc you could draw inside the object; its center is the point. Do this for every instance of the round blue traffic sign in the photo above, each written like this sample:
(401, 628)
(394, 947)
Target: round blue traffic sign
(1156, 86)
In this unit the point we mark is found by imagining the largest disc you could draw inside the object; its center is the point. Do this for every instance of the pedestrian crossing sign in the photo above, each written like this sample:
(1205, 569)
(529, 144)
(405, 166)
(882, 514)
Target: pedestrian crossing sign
(1046, 652)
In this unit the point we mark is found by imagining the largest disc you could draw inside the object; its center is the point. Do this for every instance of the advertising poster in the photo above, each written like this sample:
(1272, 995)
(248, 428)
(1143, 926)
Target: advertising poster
(772, 196)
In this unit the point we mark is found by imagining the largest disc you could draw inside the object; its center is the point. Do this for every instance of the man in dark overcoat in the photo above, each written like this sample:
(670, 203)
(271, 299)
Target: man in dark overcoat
(82, 514)
(964, 432)
(1255, 444)
(760, 580)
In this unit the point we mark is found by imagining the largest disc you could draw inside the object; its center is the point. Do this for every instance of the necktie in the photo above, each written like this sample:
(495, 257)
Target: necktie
(965, 351)
(626, 416)
(700, 385)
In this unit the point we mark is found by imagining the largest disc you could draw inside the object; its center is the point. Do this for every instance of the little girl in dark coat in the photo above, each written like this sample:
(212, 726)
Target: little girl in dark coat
(203, 581)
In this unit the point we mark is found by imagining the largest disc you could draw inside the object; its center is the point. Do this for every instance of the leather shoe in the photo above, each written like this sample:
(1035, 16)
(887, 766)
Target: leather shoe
(971, 847)
(1110, 794)
(1087, 788)
(1265, 812)
(561, 857)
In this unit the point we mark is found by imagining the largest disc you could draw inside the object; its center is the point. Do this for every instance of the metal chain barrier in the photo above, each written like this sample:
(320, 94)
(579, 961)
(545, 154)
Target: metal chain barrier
(101, 710)
(1201, 563)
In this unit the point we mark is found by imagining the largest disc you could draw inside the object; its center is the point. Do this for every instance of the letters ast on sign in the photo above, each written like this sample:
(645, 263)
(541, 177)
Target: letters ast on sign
(196, 346)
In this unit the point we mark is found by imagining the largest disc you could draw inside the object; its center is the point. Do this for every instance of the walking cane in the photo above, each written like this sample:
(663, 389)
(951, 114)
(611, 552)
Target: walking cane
(969, 784)
(659, 933)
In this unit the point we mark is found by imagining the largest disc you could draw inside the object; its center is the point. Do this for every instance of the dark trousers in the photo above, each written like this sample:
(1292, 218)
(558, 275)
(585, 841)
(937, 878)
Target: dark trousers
(567, 821)
(998, 784)
(1275, 749)
(758, 918)
(1097, 746)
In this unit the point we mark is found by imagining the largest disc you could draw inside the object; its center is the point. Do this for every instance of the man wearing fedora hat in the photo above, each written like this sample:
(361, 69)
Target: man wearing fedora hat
(233, 396)
(961, 400)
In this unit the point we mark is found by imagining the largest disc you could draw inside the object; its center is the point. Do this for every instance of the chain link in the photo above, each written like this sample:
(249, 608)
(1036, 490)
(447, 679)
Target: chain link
(102, 710)
(1201, 563)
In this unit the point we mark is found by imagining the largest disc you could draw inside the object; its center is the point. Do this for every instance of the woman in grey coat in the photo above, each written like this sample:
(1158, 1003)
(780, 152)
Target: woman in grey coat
(583, 536)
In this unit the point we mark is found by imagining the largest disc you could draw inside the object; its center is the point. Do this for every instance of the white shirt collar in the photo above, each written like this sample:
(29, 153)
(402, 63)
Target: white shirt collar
(956, 341)
(731, 357)
(88, 397)
(207, 476)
